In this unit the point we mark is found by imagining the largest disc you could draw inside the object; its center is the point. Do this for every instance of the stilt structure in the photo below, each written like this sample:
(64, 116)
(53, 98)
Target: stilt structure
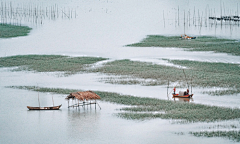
(83, 99)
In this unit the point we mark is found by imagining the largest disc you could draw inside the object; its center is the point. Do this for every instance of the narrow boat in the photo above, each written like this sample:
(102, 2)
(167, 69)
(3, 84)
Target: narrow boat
(44, 108)
(181, 94)
(187, 37)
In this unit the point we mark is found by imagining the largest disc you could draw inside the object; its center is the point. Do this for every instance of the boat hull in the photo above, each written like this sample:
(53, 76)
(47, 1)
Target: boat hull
(184, 96)
(44, 108)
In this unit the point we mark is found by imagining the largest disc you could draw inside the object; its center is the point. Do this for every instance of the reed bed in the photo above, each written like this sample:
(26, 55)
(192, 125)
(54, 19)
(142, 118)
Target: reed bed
(200, 74)
(206, 74)
(143, 108)
(202, 43)
(142, 70)
(49, 63)
(7, 30)
(232, 135)
(17, 13)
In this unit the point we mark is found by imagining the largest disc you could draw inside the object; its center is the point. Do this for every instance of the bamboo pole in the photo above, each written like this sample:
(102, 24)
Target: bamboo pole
(52, 100)
(163, 19)
(38, 96)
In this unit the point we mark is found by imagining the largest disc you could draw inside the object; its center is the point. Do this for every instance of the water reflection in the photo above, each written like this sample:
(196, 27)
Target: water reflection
(183, 99)
(82, 121)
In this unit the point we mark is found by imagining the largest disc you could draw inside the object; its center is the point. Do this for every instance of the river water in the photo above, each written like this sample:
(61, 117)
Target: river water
(103, 28)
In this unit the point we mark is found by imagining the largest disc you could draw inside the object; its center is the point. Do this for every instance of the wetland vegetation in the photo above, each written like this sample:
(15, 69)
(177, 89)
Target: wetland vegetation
(142, 108)
(232, 135)
(201, 74)
(8, 31)
(49, 63)
(201, 43)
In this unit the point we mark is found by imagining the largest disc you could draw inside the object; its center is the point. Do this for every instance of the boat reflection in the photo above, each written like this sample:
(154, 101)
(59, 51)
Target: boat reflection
(182, 99)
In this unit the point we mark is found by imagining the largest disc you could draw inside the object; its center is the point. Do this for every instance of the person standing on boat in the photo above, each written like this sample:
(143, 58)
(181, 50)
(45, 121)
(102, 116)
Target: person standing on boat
(187, 91)
(174, 89)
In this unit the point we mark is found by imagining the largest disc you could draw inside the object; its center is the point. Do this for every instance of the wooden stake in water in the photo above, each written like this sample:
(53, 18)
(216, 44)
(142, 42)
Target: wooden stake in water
(184, 22)
(167, 88)
(163, 18)
(186, 79)
(178, 15)
(38, 96)
(52, 100)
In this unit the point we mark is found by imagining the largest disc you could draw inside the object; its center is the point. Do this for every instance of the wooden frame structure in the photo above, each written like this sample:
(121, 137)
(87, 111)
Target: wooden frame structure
(83, 99)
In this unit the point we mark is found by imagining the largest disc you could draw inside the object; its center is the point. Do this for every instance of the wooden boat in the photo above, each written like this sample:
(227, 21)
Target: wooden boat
(182, 96)
(44, 108)
(187, 37)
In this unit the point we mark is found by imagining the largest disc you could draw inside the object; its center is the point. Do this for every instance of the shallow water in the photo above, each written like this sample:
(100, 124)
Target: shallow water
(102, 28)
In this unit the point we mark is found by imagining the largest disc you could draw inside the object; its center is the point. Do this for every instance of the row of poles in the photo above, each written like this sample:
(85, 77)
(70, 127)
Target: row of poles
(11, 14)
(204, 19)
(84, 103)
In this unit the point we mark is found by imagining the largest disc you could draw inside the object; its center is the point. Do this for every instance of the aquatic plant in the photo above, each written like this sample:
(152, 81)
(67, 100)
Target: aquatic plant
(49, 63)
(7, 30)
(202, 43)
(145, 108)
(203, 74)
(233, 135)
(141, 70)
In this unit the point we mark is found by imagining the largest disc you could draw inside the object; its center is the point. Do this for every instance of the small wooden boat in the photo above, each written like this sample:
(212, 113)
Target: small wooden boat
(182, 96)
(44, 108)
(187, 37)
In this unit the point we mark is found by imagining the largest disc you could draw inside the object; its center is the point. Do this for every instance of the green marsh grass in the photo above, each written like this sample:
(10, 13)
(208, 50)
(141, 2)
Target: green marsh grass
(49, 63)
(202, 43)
(143, 108)
(8, 31)
(203, 74)
(232, 135)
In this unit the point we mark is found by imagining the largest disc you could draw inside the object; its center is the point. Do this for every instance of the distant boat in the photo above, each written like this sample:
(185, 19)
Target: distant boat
(187, 37)
(182, 95)
(44, 108)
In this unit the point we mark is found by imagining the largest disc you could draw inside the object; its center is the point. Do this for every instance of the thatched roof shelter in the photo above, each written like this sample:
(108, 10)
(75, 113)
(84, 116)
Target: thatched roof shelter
(86, 95)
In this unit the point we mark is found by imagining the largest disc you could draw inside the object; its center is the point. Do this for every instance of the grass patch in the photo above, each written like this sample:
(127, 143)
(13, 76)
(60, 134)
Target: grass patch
(232, 135)
(145, 108)
(203, 43)
(204, 74)
(142, 70)
(128, 80)
(49, 63)
(7, 30)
